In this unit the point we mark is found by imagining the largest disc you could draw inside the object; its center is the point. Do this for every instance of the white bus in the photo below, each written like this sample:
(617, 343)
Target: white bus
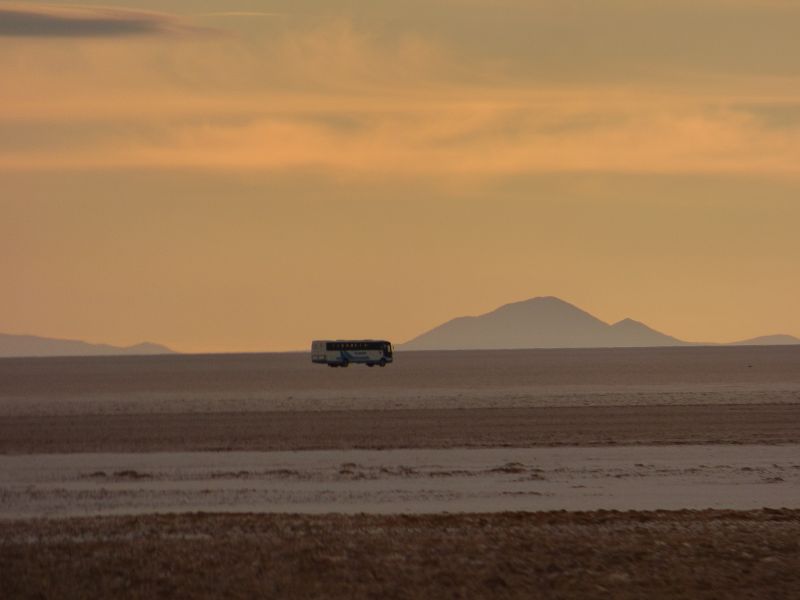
(340, 353)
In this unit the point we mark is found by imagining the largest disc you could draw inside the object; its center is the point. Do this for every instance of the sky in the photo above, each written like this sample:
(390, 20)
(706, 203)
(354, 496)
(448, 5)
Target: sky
(250, 175)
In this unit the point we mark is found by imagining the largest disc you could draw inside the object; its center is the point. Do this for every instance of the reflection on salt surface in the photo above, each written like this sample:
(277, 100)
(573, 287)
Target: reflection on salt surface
(392, 481)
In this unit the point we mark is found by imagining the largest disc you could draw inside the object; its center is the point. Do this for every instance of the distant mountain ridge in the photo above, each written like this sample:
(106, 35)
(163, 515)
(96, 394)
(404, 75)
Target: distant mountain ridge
(32, 345)
(547, 322)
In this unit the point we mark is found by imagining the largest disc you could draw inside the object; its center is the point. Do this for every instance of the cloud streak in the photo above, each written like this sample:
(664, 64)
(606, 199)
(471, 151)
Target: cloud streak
(338, 97)
(52, 22)
(430, 138)
(243, 13)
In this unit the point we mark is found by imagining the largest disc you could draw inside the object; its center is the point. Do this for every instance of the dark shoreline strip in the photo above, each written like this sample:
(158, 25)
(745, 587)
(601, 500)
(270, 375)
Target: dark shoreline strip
(426, 428)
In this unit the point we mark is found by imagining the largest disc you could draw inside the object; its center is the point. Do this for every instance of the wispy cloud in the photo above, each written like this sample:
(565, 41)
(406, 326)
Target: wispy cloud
(49, 21)
(338, 96)
(428, 135)
(242, 13)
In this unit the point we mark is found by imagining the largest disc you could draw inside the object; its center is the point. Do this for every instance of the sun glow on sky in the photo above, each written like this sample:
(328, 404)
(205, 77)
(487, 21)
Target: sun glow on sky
(247, 176)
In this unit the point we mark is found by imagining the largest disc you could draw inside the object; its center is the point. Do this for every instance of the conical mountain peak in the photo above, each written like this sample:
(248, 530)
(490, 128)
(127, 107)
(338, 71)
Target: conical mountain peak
(540, 322)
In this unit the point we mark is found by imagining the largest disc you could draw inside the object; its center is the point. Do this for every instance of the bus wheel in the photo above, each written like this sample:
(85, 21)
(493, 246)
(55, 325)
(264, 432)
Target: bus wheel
(332, 365)
(383, 362)
(345, 364)
(370, 365)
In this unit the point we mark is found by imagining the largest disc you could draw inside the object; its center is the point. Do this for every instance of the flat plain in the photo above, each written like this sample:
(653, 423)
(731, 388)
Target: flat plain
(257, 443)
(426, 399)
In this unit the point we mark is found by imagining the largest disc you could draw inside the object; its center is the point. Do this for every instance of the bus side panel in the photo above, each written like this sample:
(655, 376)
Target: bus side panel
(351, 353)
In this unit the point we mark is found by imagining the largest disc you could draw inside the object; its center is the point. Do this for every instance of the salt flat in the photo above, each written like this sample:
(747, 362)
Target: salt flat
(120, 453)
(402, 481)
(182, 384)
(698, 427)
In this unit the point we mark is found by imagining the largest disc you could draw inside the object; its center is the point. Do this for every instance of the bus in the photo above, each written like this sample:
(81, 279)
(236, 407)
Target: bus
(340, 353)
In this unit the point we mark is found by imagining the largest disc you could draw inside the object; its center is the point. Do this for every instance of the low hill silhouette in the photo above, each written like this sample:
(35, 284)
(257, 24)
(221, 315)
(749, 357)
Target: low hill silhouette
(769, 340)
(31, 345)
(548, 322)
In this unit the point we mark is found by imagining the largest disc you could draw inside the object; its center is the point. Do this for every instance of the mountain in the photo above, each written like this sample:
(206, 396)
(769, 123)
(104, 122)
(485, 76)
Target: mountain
(31, 345)
(769, 340)
(544, 322)
(632, 333)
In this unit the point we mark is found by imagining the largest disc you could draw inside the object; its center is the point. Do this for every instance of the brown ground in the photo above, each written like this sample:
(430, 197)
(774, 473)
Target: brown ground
(683, 554)
(240, 375)
(434, 428)
(425, 400)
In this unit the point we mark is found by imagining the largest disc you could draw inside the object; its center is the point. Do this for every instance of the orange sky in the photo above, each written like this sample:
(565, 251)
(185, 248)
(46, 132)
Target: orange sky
(244, 178)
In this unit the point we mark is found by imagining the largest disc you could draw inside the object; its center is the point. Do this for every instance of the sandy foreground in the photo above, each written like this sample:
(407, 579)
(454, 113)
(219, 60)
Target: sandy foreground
(399, 482)
(684, 554)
